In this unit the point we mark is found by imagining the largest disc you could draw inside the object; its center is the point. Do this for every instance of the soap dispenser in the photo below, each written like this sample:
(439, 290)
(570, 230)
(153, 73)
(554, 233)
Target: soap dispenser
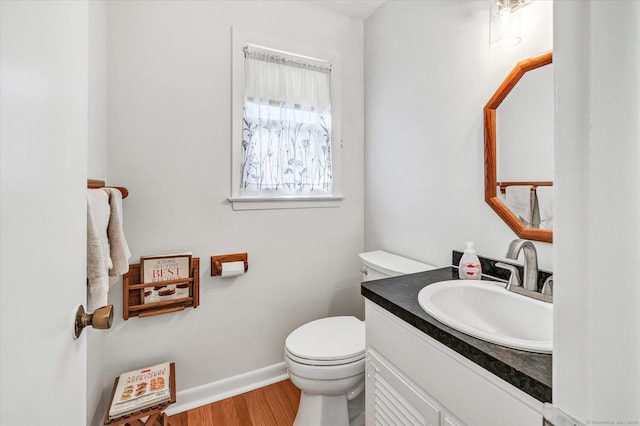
(469, 267)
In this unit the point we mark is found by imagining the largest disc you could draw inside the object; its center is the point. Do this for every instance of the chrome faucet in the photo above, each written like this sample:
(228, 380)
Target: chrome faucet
(530, 281)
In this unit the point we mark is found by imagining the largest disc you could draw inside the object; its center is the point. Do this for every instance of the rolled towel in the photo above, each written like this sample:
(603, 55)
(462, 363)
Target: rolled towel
(520, 200)
(545, 206)
(98, 259)
(118, 247)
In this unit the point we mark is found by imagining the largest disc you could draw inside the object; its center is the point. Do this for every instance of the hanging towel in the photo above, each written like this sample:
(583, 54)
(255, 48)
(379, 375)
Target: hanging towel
(545, 205)
(519, 199)
(98, 259)
(118, 248)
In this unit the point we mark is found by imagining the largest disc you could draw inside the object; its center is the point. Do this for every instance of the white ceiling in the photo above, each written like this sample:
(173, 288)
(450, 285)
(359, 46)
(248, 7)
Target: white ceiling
(359, 9)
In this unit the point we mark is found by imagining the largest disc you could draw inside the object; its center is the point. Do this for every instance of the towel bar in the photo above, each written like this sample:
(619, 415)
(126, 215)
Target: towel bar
(503, 185)
(94, 184)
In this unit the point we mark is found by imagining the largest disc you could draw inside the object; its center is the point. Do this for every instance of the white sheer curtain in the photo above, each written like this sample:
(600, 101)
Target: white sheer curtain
(286, 139)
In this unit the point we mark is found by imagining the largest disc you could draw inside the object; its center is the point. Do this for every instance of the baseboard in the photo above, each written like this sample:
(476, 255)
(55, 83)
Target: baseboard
(225, 388)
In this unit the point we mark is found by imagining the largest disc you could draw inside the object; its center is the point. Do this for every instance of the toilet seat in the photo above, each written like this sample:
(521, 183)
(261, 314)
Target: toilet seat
(325, 372)
(323, 362)
(327, 341)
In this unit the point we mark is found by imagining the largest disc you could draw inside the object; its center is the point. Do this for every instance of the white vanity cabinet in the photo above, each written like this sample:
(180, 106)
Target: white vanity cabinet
(412, 379)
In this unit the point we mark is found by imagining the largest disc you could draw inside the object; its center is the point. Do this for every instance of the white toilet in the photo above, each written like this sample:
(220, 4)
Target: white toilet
(325, 358)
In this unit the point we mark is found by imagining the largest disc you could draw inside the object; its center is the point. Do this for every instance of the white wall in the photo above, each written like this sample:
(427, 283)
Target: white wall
(429, 72)
(97, 149)
(597, 293)
(169, 97)
(43, 172)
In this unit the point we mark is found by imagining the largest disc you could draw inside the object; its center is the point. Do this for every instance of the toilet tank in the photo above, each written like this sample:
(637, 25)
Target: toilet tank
(381, 264)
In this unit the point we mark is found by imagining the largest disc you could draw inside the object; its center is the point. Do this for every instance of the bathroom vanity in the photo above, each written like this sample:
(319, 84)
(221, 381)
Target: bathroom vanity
(420, 371)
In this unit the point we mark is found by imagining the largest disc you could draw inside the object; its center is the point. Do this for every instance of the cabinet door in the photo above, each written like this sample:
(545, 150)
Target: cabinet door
(392, 400)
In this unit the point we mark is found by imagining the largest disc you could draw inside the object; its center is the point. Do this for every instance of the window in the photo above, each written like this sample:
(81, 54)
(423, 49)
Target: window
(284, 143)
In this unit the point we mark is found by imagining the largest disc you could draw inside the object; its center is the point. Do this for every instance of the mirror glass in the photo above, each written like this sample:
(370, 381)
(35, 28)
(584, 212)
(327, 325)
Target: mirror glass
(524, 129)
(519, 135)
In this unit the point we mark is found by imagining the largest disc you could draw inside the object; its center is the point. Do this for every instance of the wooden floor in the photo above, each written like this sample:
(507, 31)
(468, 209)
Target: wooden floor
(273, 405)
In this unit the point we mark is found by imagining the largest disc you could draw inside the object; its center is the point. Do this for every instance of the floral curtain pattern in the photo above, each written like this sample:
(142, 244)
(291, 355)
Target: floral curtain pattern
(286, 138)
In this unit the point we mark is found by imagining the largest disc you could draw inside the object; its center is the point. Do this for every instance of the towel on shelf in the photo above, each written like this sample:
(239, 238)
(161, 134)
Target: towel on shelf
(519, 199)
(118, 248)
(545, 206)
(98, 259)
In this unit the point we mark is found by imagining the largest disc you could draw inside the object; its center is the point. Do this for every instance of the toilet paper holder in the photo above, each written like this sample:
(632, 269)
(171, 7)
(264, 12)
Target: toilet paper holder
(217, 261)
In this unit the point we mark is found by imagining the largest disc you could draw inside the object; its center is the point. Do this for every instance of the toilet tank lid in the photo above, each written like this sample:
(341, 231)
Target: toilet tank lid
(392, 263)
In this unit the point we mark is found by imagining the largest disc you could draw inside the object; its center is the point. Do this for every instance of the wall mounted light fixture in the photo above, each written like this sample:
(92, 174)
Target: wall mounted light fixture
(505, 26)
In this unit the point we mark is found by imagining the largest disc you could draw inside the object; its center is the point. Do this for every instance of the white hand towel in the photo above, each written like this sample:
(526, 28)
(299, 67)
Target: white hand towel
(545, 206)
(519, 199)
(118, 248)
(98, 260)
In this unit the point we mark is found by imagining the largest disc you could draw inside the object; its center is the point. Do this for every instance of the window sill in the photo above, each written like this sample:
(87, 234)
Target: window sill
(294, 202)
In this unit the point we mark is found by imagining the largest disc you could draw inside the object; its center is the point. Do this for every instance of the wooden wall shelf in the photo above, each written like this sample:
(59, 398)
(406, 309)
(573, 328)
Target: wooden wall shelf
(133, 293)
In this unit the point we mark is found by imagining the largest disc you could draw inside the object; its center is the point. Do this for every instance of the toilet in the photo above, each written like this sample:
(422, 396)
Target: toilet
(325, 358)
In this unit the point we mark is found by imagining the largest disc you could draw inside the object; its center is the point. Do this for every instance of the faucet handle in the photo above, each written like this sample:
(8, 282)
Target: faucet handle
(514, 278)
(547, 287)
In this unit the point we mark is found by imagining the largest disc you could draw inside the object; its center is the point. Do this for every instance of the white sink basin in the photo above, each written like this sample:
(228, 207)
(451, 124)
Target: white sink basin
(484, 309)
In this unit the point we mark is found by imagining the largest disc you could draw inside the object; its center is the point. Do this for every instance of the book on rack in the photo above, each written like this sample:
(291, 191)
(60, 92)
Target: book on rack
(140, 389)
(163, 269)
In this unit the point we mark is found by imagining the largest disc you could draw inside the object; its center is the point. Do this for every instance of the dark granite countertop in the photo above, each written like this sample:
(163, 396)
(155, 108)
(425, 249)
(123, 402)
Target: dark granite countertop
(527, 371)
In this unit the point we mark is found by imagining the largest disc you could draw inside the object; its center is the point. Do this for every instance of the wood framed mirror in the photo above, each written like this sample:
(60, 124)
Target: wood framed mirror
(495, 180)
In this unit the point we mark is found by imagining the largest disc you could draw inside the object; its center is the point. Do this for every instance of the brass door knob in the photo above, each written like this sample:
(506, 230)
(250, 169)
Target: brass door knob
(101, 318)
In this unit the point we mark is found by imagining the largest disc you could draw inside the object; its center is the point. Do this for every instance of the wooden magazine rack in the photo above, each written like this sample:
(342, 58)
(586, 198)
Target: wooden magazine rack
(133, 293)
(155, 413)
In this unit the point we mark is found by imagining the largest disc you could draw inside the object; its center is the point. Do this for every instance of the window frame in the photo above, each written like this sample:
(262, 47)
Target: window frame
(240, 201)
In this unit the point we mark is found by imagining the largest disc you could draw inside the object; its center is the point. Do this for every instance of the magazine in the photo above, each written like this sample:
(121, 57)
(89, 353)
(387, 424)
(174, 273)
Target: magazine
(140, 389)
(161, 269)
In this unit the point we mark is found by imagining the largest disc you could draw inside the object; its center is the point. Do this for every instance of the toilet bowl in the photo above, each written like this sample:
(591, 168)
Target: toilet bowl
(325, 358)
